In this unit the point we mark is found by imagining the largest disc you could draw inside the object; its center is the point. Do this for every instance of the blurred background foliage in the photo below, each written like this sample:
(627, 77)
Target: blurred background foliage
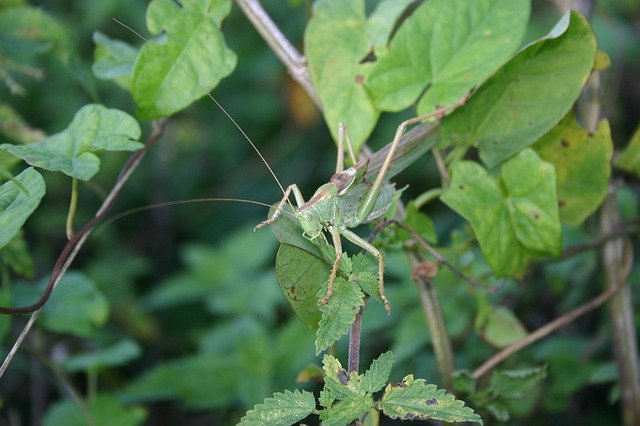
(187, 324)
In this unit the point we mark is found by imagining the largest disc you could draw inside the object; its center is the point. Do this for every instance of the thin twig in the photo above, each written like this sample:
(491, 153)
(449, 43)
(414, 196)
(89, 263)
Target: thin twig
(74, 245)
(544, 331)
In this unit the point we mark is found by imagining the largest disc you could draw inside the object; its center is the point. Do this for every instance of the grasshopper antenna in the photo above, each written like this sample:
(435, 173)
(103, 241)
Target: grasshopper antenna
(235, 123)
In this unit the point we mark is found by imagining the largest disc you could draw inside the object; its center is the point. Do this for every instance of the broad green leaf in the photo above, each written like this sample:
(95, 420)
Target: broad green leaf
(416, 400)
(199, 382)
(14, 126)
(347, 410)
(419, 222)
(113, 60)
(527, 96)
(501, 327)
(300, 276)
(382, 20)
(516, 383)
(516, 218)
(281, 409)
(377, 375)
(103, 410)
(583, 166)
(447, 47)
(184, 64)
(73, 151)
(629, 159)
(117, 354)
(335, 43)
(339, 313)
(341, 383)
(18, 199)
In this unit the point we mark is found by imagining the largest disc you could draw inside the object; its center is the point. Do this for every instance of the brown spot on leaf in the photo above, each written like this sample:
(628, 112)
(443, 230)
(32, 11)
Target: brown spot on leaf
(561, 203)
(343, 377)
(399, 385)
(535, 215)
(431, 401)
(359, 79)
(564, 143)
(461, 187)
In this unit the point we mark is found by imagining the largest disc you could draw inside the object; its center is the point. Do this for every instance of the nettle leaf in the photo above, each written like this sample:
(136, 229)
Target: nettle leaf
(341, 383)
(117, 354)
(583, 166)
(629, 159)
(281, 409)
(365, 274)
(347, 410)
(103, 410)
(339, 313)
(516, 218)
(18, 199)
(413, 399)
(527, 96)
(447, 47)
(513, 384)
(113, 60)
(73, 151)
(189, 59)
(335, 43)
(378, 373)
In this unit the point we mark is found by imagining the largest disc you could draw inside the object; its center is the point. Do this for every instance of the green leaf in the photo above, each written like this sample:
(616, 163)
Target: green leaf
(18, 199)
(115, 355)
(583, 166)
(341, 383)
(113, 60)
(415, 400)
(514, 384)
(13, 125)
(300, 276)
(447, 47)
(16, 256)
(419, 222)
(103, 410)
(365, 274)
(629, 159)
(345, 411)
(281, 409)
(73, 151)
(382, 20)
(339, 313)
(501, 327)
(463, 382)
(335, 43)
(184, 64)
(5, 320)
(527, 96)
(516, 218)
(377, 375)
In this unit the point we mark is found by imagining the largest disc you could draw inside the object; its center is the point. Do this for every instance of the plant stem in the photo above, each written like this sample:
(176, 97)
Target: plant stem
(426, 197)
(73, 207)
(353, 363)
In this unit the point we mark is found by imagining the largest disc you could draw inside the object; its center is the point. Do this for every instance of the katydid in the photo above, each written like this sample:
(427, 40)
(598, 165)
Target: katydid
(350, 199)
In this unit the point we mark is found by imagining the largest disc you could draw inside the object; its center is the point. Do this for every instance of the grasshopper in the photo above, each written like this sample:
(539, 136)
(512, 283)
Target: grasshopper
(350, 199)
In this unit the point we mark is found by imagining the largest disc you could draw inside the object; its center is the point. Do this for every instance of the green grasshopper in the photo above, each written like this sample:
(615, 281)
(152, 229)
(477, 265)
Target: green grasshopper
(350, 198)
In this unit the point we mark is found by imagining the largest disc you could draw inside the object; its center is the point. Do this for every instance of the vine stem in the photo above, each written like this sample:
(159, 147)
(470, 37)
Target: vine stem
(73, 207)
(73, 246)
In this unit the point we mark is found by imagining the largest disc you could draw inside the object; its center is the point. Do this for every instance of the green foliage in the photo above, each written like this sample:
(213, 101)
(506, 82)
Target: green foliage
(102, 410)
(18, 199)
(281, 409)
(119, 353)
(629, 159)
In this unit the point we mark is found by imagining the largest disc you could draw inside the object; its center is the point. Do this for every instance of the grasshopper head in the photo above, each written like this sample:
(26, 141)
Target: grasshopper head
(310, 223)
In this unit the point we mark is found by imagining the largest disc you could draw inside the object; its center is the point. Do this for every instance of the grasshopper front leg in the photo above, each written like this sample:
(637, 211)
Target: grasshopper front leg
(337, 244)
(299, 201)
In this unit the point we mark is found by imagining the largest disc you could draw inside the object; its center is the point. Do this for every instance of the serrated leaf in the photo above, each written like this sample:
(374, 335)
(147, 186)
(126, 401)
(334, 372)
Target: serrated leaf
(117, 354)
(113, 60)
(190, 59)
(345, 411)
(415, 400)
(378, 373)
(73, 151)
(335, 44)
(521, 101)
(341, 383)
(583, 166)
(513, 384)
(103, 410)
(516, 219)
(18, 199)
(447, 47)
(281, 409)
(339, 313)
(629, 159)
(365, 274)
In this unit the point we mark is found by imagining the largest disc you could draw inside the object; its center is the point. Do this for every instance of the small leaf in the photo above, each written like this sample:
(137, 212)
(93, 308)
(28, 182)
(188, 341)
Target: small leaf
(527, 96)
(335, 43)
(187, 62)
(16, 256)
(378, 373)
(73, 151)
(514, 384)
(281, 409)
(514, 220)
(113, 60)
(103, 410)
(501, 328)
(365, 274)
(629, 159)
(583, 167)
(464, 382)
(345, 411)
(115, 355)
(18, 199)
(339, 313)
(415, 400)
(341, 383)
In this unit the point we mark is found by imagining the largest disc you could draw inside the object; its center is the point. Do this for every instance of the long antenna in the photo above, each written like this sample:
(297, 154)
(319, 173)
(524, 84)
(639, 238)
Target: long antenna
(218, 104)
